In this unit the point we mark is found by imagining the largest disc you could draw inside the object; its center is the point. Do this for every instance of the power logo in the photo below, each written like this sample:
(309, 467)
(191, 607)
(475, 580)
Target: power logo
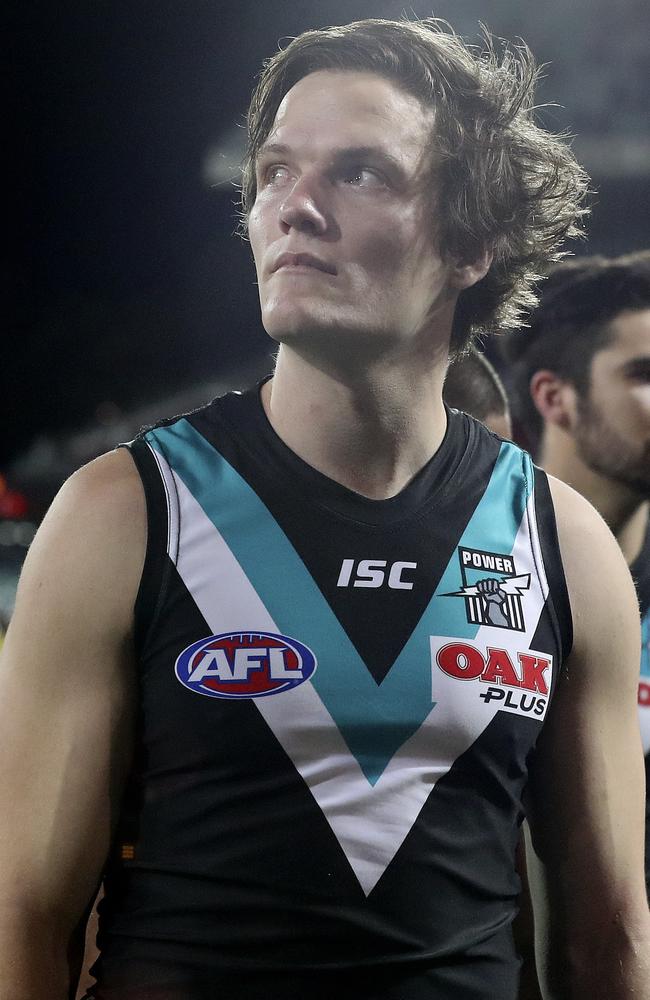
(492, 588)
(244, 665)
(520, 683)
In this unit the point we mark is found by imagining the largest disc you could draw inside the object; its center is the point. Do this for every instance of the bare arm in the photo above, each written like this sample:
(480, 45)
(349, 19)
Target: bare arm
(66, 717)
(587, 786)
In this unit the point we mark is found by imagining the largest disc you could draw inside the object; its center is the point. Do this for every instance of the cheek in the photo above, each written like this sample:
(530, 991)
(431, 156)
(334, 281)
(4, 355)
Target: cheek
(627, 412)
(640, 400)
(641, 395)
(395, 251)
(381, 255)
(254, 226)
(419, 258)
(258, 230)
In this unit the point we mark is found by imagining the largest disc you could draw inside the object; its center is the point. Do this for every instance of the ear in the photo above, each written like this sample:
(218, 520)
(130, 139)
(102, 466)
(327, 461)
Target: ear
(465, 275)
(555, 398)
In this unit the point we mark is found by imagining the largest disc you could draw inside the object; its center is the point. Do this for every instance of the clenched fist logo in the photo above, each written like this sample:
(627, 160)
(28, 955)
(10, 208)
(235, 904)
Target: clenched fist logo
(490, 590)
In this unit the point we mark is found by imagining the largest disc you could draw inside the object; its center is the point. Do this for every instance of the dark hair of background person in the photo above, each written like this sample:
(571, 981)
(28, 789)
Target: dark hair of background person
(498, 181)
(578, 301)
(472, 385)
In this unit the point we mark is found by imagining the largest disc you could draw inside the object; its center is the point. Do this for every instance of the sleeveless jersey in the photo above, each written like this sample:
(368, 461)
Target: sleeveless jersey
(640, 570)
(340, 699)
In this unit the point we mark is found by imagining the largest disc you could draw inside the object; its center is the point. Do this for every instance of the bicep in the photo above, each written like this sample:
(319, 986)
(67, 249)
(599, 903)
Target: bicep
(589, 759)
(586, 792)
(66, 713)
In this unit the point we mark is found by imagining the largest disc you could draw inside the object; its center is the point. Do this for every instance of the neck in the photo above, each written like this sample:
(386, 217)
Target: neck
(625, 511)
(370, 429)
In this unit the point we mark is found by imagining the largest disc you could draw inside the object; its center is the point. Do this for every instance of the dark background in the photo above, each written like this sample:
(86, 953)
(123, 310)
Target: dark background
(127, 291)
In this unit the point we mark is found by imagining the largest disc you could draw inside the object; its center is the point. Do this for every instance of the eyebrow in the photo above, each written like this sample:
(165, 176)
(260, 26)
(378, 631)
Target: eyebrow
(637, 366)
(273, 147)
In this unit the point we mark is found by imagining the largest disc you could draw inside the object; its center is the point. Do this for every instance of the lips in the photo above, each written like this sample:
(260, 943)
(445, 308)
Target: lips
(289, 260)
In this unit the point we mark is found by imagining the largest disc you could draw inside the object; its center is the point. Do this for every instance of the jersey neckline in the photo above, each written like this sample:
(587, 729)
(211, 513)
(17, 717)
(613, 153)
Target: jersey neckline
(244, 411)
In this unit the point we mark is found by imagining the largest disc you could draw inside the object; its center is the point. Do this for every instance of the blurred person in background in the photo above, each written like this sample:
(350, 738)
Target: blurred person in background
(581, 391)
(473, 385)
(286, 671)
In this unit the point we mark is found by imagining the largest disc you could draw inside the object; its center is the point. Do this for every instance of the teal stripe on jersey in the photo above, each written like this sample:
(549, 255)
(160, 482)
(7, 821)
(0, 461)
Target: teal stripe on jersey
(645, 644)
(493, 527)
(375, 720)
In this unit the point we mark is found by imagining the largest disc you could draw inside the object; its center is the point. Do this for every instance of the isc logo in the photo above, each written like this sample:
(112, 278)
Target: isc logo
(244, 665)
(373, 573)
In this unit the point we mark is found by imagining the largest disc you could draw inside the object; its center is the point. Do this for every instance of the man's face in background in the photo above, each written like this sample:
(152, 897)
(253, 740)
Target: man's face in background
(612, 429)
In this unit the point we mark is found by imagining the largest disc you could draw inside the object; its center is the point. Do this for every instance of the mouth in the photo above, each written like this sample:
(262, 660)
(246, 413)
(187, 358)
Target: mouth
(302, 261)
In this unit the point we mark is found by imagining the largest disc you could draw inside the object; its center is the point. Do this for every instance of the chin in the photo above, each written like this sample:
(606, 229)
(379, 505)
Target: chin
(289, 329)
(284, 322)
(635, 475)
(326, 330)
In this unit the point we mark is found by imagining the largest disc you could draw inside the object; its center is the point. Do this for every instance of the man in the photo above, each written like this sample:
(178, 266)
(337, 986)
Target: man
(473, 385)
(308, 745)
(581, 377)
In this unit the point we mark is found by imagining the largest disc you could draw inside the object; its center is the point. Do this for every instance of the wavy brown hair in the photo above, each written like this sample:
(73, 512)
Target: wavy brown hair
(499, 182)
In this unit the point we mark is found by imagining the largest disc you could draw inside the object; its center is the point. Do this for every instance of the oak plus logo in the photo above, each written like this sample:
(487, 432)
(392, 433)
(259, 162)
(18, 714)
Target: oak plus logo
(492, 589)
(511, 679)
(376, 573)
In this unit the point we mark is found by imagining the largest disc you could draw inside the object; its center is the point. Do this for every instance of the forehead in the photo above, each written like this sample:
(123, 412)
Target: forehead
(630, 337)
(332, 108)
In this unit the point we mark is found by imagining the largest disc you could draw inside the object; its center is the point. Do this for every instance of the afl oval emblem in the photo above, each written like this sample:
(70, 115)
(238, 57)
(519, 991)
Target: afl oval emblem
(244, 665)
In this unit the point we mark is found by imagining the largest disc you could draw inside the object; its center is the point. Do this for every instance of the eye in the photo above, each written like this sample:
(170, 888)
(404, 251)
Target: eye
(275, 174)
(639, 374)
(364, 177)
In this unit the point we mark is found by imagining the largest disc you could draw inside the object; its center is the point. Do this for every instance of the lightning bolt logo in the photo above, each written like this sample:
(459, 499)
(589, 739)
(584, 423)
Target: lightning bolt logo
(512, 585)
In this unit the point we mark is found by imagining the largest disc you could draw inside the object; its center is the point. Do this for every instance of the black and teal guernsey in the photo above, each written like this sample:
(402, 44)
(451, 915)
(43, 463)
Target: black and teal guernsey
(640, 570)
(340, 701)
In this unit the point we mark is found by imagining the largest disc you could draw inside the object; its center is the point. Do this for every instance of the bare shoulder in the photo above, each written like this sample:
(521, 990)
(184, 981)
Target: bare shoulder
(603, 599)
(87, 557)
(67, 673)
(109, 487)
(579, 523)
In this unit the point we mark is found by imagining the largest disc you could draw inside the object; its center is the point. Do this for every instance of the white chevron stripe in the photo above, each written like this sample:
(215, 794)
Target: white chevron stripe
(171, 497)
(369, 822)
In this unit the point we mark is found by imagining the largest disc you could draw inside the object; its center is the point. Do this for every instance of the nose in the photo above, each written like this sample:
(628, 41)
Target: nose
(302, 208)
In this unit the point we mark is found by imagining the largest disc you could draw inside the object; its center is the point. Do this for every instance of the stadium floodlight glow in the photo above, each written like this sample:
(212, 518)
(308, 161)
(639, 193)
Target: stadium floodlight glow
(221, 163)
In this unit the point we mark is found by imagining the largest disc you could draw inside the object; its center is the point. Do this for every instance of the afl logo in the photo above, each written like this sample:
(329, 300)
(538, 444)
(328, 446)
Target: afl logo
(244, 665)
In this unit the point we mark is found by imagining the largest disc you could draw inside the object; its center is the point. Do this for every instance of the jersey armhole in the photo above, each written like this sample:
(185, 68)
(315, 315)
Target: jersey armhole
(558, 597)
(156, 567)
